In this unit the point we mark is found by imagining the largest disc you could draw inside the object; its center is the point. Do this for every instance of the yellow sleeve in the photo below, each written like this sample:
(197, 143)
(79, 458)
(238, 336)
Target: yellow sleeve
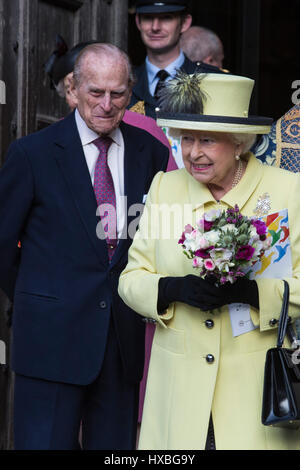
(138, 283)
(271, 290)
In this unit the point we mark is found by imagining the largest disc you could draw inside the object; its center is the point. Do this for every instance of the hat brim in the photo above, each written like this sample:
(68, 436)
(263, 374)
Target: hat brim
(249, 125)
(160, 9)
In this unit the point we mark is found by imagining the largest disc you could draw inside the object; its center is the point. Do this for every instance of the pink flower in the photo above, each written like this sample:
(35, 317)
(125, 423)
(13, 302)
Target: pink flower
(187, 229)
(209, 264)
(197, 263)
(245, 252)
(203, 243)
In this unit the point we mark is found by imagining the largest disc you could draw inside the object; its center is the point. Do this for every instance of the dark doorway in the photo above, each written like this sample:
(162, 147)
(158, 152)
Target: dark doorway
(261, 41)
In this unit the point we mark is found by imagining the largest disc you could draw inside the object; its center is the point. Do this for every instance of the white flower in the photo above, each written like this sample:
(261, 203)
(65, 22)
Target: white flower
(212, 237)
(222, 254)
(229, 227)
(212, 215)
(258, 245)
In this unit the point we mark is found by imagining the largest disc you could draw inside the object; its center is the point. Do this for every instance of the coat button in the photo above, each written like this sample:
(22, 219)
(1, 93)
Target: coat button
(209, 323)
(103, 304)
(210, 358)
(273, 322)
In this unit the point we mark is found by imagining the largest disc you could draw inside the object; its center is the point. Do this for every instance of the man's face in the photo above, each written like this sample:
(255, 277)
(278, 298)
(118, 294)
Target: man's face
(160, 32)
(103, 92)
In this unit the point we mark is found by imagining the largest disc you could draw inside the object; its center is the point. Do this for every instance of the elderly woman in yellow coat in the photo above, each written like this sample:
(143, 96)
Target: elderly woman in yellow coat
(206, 370)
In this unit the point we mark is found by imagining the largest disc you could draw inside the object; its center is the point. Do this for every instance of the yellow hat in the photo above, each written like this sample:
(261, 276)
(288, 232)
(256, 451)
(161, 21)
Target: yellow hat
(212, 102)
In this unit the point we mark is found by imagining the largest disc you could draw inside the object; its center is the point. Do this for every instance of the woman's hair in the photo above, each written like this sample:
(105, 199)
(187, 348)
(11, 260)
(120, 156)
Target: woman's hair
(246, 140)
(108, 50)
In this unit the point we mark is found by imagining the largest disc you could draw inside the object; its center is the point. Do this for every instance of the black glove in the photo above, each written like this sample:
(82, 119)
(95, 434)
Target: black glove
(191, 290)
(243, 291)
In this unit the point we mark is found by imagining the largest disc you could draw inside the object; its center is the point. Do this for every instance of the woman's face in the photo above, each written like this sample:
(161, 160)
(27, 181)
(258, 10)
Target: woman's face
(210, 157)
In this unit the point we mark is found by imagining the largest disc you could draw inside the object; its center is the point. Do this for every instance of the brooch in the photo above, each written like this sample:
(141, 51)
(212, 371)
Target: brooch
(263, 205)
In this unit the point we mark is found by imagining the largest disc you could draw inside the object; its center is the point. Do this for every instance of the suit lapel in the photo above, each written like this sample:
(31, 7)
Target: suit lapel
(71, 161)
(141, 89)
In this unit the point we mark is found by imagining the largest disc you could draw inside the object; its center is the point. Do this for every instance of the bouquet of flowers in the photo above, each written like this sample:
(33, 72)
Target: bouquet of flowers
(225, 244)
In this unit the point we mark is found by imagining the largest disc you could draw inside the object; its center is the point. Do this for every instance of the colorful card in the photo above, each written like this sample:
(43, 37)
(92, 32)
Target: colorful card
(277, 261)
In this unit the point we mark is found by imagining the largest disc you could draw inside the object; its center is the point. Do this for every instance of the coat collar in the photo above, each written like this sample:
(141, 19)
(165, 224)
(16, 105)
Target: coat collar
(141, 88)
(240, 194)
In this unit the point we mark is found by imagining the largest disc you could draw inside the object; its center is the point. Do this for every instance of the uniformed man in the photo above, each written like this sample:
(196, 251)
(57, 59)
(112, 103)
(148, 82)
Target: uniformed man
(161, 25)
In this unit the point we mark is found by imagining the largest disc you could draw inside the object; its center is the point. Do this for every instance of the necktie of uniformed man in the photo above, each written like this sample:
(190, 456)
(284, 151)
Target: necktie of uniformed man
(105, 194)
(162, 75)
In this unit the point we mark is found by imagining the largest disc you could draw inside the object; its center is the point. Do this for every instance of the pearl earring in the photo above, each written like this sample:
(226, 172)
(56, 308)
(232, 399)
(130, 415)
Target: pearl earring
(237, 157)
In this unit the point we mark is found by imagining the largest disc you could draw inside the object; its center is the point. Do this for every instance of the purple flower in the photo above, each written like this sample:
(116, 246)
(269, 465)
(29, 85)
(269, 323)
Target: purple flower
(181, 239)
(203, 253)
(187, 229)
(207, 225)
(260, 226)
(245, 252)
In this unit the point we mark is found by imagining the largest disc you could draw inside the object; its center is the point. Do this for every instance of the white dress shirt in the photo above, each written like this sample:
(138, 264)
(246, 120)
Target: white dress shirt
(171, 69)
(115, 160)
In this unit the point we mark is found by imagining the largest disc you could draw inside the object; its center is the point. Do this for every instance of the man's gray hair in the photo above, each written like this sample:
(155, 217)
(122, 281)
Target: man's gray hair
(99, 49)
(198, 43)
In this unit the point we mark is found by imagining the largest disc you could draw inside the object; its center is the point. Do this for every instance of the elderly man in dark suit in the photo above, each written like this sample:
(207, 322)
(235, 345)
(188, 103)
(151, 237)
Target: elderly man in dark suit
(161, 25)
(78, 350)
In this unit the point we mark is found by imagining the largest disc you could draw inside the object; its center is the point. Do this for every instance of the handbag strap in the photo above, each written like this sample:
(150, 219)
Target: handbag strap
(283, 320)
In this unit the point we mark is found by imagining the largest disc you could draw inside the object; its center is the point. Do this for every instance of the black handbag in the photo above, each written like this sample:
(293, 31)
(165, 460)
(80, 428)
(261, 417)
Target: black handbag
(281, 393)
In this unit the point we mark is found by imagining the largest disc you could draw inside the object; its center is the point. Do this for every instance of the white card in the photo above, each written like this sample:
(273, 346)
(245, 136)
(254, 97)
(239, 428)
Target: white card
(240, 319)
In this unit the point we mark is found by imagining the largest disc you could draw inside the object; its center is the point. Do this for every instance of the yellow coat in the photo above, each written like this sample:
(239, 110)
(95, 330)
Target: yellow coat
(183, 388)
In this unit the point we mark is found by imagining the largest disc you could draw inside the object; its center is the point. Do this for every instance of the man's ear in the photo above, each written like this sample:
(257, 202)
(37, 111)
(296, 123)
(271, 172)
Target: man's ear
(72, 89)
(137, 21)
(186, 23)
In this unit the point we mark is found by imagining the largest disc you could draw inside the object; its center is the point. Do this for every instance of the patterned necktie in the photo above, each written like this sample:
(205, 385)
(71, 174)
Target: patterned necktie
(162, 75)
(105, 194)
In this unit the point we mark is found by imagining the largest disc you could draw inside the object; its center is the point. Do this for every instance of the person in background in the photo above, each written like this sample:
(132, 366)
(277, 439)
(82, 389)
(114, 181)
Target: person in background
(67, 193)
(202, 44)
(161, 25)
(207, 363)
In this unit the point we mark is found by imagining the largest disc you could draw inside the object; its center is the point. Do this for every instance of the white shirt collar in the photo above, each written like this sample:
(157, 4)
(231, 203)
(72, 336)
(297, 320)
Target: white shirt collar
(171, 68)
(87, 135)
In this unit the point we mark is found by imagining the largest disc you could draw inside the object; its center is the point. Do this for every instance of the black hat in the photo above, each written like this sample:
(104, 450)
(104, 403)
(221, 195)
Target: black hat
(166, 6)
(62, 61)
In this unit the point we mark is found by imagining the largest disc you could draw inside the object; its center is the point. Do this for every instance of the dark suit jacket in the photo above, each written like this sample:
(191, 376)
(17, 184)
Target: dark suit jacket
(62, 285)
(140, 91)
